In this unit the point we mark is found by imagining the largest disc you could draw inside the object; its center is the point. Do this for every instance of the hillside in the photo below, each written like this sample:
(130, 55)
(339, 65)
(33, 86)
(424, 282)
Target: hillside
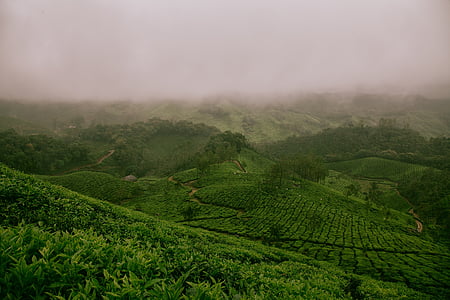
(352, 142)
(402, 186)
(60, 244)
(308, 219)
(352, 221)
(374, 167)
(97, 185)
(261, 119)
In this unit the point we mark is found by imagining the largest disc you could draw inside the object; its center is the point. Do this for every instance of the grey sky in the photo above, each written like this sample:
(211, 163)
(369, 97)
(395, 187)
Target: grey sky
(139, 49)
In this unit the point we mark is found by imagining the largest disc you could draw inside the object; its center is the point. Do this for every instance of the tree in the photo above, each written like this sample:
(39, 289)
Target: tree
(308, 167)
(226, 145)
(274, 178)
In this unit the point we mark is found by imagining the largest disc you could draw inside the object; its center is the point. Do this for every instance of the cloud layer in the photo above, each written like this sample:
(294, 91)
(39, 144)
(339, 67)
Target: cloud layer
(108, 49)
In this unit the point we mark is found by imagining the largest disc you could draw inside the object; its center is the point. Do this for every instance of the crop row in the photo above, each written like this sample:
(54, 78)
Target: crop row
(98, 185)
(358, 242)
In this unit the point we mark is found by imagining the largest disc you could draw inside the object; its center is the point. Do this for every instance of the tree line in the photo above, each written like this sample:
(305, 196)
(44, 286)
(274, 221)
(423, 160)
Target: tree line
(41, 154)
(351, 142)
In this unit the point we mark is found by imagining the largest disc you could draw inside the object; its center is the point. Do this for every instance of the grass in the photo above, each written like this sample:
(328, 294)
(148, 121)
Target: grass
(59, 244)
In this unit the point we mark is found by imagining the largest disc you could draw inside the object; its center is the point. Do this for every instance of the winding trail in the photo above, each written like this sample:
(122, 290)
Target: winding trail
(416, 219)
(192, 192)
(238, 164)
(239, 212)
(99, 161)
(411, 211)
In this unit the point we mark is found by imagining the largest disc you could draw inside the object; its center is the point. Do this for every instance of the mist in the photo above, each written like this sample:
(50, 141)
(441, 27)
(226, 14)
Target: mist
(140, 50)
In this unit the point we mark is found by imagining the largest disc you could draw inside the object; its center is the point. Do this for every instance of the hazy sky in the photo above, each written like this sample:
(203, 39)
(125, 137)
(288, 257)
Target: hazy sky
(138, 49)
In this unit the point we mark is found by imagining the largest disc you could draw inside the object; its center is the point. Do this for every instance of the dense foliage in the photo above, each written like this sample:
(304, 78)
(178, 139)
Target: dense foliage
(79, 247)
(152, 147)
(385, 141)
(41, 153)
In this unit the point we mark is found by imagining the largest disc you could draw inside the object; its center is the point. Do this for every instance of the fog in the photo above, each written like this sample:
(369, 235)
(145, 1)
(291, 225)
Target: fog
(147, 49)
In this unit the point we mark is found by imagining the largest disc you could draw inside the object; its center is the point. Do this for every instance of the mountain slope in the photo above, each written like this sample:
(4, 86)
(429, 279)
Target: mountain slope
(75, 246)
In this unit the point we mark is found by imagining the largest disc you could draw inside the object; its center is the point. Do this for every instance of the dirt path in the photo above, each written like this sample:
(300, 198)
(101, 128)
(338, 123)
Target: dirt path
(411, 211)
(416, 218)
(99, 161)
(238, 164)
(192, 198)
(192, 192)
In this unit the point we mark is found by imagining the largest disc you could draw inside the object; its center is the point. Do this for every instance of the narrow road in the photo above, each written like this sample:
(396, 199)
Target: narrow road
(416, 218)
(411, 211)
(238, 164)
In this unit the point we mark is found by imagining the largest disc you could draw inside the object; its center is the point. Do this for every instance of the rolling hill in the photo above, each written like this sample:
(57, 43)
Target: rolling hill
(59, 244)
(307, 218)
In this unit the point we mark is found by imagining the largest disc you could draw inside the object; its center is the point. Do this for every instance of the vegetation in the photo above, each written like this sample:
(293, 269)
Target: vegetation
(98, 185)
(355, 212)
(273, 119)
(430, 195)
(346, 143)
(374, 167)
(41, 154)
(325, 225)
(104, 250)
(154, 147)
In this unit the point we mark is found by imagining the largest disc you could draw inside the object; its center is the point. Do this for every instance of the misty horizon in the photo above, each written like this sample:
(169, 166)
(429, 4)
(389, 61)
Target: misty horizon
(113, 50)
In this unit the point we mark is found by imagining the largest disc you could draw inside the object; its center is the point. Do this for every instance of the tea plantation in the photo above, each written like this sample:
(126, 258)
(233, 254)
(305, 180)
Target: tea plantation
(58, 244)
(374, 167)
(323, 224)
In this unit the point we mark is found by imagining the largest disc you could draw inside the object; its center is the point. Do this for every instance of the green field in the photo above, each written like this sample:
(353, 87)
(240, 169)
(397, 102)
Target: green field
(59, 244)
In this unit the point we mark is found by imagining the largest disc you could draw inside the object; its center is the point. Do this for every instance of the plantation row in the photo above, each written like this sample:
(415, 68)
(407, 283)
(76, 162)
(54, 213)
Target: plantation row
(79, 247)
